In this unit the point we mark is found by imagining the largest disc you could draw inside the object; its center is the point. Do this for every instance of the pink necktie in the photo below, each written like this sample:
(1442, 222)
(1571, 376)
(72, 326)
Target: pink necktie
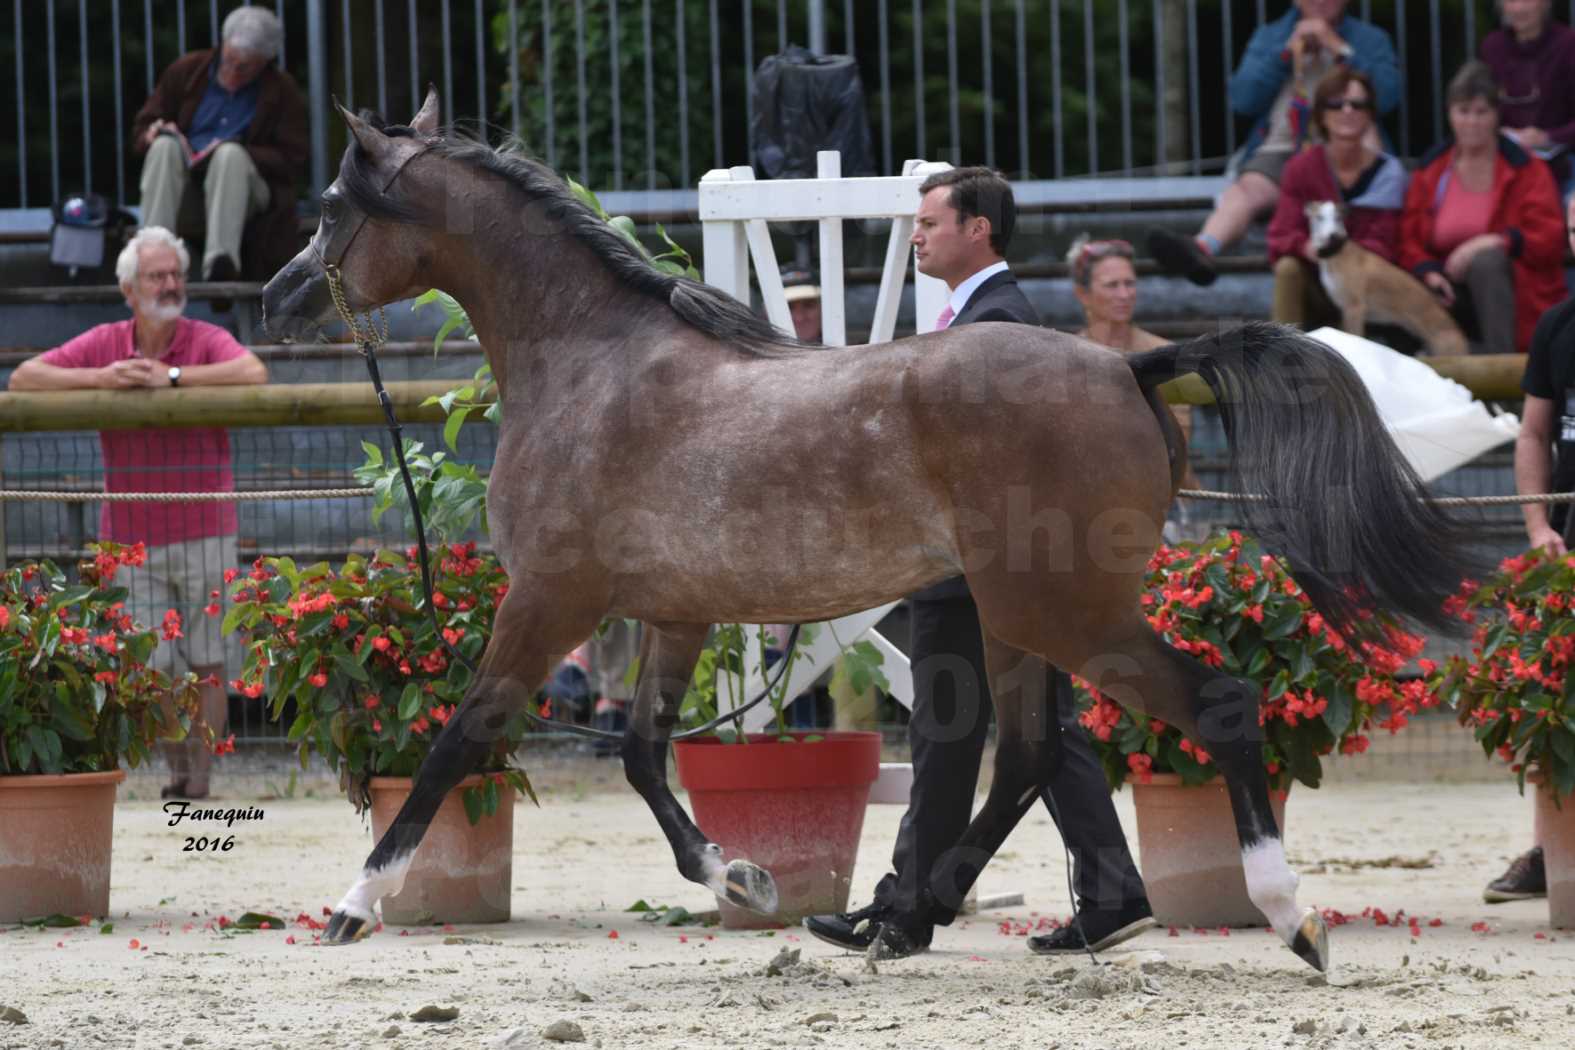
(945, 320)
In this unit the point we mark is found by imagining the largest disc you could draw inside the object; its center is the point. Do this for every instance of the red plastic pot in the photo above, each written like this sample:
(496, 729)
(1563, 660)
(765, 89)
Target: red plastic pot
(796, 809)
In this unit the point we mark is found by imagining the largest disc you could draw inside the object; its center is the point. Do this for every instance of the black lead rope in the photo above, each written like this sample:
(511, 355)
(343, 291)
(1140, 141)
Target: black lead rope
(395, 430)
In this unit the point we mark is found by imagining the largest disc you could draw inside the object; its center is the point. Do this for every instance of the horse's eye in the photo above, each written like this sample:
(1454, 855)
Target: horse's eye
(330, 209)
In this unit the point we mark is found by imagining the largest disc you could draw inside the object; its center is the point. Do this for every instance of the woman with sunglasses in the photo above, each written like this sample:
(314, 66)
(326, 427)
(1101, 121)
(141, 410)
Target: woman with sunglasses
(1533, 59)
(1345, 167)
(1104, 279)
(1482, 226)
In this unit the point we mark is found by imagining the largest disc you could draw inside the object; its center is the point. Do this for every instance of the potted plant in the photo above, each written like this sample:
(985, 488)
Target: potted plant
(790, 801)
(374, 683)
(77, 698)
(1234, 607)
(1513, 692)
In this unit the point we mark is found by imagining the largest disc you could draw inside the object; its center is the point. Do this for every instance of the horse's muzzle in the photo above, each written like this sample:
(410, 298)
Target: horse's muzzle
(296, 303)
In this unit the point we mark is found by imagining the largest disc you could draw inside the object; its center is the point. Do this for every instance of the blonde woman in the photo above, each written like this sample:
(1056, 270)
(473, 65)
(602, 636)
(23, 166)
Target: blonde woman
(1104, 279)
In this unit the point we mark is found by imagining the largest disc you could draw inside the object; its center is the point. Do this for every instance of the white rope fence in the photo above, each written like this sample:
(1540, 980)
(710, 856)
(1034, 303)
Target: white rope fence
(1440, 501)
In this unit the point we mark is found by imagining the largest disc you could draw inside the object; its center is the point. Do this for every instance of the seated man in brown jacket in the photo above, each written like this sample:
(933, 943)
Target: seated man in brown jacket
(230, 126)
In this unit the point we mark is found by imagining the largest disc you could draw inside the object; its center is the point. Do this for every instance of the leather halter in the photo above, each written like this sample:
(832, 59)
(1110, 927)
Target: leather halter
(338, 247)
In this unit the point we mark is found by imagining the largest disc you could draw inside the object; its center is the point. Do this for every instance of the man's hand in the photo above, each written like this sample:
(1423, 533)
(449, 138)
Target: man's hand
(1545, 537)
(132, 373)
(1317, 31)
(1439, 285)
(153, 131)
(1459, 260)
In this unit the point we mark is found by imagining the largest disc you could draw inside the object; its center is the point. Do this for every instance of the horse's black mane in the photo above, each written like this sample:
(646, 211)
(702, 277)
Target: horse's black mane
(709, 309)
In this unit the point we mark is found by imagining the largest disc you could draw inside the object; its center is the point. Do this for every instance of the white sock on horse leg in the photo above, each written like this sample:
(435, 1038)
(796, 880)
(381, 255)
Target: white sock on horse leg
(373, 886)
(713, 870)
(1272, 885)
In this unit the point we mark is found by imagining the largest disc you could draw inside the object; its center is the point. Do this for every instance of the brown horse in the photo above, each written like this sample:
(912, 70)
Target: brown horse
(652, 427)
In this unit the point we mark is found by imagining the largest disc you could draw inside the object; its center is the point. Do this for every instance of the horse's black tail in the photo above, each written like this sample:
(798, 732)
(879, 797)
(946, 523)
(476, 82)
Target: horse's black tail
(1344, 509)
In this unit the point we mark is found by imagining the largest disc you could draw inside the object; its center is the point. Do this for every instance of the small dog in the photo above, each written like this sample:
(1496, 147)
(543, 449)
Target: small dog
(1365, 286)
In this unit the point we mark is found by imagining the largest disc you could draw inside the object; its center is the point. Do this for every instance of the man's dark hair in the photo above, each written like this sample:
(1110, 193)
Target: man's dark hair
(979, 191)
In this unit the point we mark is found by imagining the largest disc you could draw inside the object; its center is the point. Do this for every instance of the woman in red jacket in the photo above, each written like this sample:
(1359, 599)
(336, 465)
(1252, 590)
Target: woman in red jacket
(1482, 227)
(1345, 169)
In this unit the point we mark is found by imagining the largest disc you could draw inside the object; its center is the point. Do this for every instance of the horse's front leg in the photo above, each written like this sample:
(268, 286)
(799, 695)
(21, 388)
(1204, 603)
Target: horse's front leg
(529, 634)
(667, 658)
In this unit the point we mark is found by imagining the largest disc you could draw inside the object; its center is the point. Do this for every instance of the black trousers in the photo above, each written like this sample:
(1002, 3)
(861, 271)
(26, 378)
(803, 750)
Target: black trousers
(947, 733)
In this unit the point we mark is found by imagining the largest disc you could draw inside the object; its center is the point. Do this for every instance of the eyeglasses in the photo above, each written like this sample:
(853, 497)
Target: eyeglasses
(160, 276)
(1360, 105)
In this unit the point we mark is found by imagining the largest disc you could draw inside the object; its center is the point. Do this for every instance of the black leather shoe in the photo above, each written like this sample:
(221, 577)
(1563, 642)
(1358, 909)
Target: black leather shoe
(1181, 256)
(849, 930)
(1104, 929)
(899, 940)
(1525, 878)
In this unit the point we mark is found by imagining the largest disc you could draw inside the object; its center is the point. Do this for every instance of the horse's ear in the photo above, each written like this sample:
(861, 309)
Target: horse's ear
(425, 123)
(370, 139)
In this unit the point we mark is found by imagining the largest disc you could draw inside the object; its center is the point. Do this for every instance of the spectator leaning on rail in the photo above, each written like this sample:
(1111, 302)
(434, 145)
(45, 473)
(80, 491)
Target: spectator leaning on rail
(1544, 462)
(189, 544)
(1533, 59)
(1104, 279)
(1284, 61)
(244, 122)
(1344, 168)
(1481, 226)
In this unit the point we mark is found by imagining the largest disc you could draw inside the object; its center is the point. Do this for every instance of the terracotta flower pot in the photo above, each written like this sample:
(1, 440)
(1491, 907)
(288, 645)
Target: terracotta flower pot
(461, 873)
(56, 835)
(1189, 854)
(794, 809)
(1556, 833)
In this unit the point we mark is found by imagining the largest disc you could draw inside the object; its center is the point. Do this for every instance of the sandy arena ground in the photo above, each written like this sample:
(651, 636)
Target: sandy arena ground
(166, 977)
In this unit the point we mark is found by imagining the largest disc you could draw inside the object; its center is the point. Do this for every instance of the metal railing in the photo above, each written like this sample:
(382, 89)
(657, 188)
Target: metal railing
(646, 95)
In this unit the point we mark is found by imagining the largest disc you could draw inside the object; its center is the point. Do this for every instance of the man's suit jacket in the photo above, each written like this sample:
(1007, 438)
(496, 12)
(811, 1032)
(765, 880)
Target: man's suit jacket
(997, 299)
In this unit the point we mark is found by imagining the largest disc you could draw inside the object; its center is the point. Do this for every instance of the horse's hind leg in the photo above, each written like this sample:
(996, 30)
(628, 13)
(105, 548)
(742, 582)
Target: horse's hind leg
(1220, 713)
(667, 658)
(526, 640)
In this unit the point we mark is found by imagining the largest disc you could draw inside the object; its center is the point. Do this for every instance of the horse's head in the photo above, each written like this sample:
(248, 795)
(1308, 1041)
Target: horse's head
(367, 233)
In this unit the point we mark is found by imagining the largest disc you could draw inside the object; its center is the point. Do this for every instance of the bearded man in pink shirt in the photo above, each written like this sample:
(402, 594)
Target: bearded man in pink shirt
(189, 544)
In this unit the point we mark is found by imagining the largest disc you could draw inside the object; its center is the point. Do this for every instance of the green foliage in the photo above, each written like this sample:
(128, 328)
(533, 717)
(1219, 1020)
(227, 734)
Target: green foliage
(452, 496)
(372, 678)
(1234, 608)
(1515, 690)
(76, 692)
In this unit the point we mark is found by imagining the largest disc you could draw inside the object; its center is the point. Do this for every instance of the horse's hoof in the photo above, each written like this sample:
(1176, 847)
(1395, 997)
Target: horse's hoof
(344, 928)
(751, 886)
(1311, 942)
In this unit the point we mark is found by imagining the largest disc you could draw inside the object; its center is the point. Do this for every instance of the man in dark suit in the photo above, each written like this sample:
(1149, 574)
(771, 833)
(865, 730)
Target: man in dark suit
(961, 230)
